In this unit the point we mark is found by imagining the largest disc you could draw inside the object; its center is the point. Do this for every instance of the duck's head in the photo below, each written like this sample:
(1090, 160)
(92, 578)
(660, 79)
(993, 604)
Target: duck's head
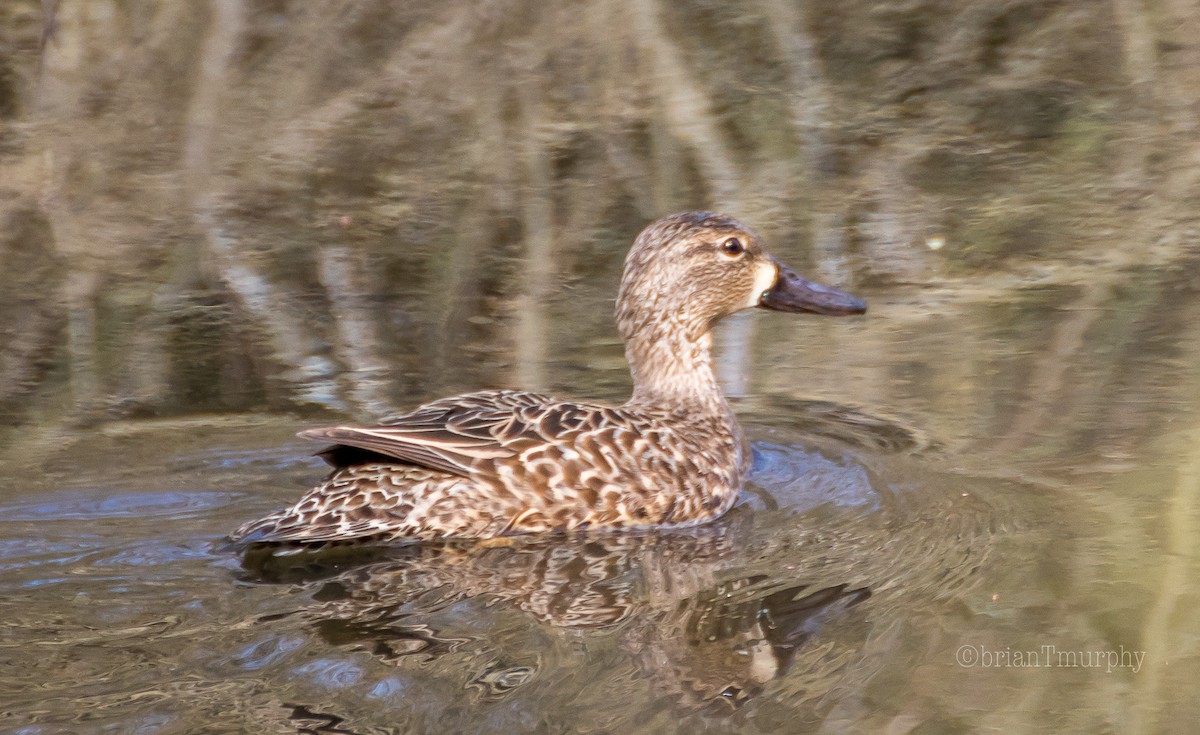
(687, 271)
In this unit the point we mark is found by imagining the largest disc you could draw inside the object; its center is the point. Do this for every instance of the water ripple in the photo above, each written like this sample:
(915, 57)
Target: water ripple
(101, 503)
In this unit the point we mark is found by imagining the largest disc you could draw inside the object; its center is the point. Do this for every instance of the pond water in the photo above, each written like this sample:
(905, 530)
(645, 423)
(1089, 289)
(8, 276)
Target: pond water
(975, 508)
(875, 575)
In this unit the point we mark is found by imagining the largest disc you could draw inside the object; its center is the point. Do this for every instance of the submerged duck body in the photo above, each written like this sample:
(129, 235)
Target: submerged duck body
(502, 462)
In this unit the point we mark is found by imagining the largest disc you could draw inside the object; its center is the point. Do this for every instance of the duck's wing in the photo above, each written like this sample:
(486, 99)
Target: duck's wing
(458, 434)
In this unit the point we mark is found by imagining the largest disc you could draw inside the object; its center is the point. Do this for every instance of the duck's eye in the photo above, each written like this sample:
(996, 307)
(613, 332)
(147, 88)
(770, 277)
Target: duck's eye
(733, 247)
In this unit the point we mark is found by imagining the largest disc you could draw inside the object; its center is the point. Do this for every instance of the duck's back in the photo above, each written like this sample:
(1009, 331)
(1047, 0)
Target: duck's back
(498, 462)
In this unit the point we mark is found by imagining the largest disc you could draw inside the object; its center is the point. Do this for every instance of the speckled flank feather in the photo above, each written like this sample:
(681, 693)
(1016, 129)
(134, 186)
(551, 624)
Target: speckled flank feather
(502, 462)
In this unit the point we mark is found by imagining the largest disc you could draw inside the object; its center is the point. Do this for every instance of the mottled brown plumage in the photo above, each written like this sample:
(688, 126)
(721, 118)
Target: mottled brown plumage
(501, 462)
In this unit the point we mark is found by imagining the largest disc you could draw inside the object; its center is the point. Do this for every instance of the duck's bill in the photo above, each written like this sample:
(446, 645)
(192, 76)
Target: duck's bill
(794, 293)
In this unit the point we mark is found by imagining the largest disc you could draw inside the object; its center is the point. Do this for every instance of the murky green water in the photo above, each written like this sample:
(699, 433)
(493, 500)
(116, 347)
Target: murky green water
(875, 575)
(974, 509)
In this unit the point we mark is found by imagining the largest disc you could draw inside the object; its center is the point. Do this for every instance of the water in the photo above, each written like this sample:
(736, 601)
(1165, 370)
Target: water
(129, 615)
(860, 583)
(973, 509)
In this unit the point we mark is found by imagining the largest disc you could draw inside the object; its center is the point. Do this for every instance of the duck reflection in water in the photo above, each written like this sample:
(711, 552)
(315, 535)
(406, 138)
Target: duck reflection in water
(707, 633)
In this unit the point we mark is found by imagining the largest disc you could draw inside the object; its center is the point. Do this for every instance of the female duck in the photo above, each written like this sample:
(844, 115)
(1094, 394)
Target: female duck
(505, 461)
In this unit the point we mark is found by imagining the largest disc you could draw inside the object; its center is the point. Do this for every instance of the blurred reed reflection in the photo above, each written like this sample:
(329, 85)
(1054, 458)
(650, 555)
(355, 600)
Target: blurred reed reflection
(290, 205)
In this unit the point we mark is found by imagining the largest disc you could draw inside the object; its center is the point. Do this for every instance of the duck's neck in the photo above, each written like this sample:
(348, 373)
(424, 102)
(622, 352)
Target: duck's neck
(674, 370)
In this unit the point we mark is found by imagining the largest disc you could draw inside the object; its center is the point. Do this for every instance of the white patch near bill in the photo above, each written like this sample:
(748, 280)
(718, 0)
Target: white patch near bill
(765, 275)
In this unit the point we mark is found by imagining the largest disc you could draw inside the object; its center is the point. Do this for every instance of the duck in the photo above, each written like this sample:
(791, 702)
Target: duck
(495, 463)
